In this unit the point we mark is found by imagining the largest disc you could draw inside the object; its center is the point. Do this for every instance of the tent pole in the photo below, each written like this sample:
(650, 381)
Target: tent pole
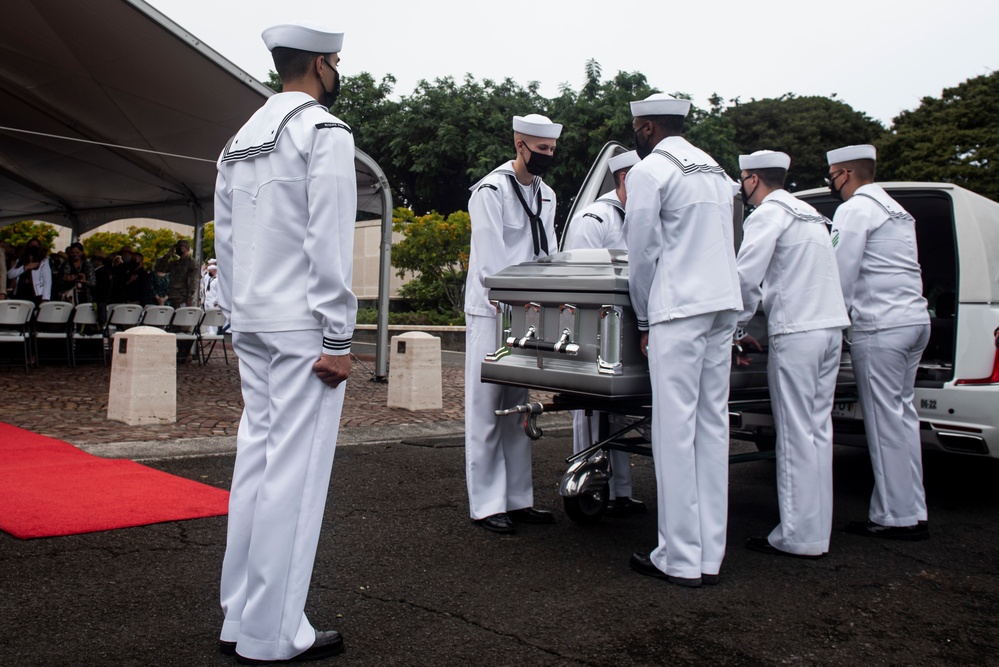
(74, 228)
(384, 266)
(199, 241)
(384, 281)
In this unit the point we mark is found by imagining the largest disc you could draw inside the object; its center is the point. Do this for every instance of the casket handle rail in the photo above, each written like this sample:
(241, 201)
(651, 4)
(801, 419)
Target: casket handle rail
(533, 338)
(609, 341)
(504, 315)
(531, 342)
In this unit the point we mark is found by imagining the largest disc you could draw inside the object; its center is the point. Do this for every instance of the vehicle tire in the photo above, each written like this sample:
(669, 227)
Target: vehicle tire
(588, 507)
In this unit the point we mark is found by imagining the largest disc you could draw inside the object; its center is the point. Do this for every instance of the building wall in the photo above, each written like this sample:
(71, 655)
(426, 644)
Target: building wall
(367, 240)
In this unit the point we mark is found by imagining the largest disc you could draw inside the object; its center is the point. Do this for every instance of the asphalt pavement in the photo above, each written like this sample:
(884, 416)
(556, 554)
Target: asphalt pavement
(407, 579)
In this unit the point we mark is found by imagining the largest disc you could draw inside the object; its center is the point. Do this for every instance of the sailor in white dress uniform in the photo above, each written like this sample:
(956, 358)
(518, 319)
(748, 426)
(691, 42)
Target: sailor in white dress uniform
(787, 260)
(685, 292)
(285, 206)
(601, 225)
(513, 221)
(875, 241)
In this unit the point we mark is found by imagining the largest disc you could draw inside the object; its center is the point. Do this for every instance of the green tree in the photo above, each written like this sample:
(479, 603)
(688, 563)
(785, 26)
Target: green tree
(804, 128)
(19, 233)
(446, 135)
(109, 243)
(150, 243)
(953, 138)
(713, 133)
(436, 250)
(273, 81)
(600, 112)
(154, 243)
(436, 142)
(365, 106)
(208, 241)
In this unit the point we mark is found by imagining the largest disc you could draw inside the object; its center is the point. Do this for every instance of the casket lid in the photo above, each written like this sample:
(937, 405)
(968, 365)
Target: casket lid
(589, 270)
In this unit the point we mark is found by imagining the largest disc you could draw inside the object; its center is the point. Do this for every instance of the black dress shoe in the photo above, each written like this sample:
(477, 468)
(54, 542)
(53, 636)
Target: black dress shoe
(328, 643)
(626, 505)
(227, 648)
(497, 523)
(920, 531)
(763, 545)
(710, 579)
(642, 564)
(531, 515)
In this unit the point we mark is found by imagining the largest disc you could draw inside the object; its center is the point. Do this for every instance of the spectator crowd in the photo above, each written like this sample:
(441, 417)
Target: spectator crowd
(33, 274)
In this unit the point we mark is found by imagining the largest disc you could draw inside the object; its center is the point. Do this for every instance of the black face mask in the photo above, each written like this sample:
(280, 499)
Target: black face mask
(330, 96)
(746, 195)
(539, 163)
(837, 193)
(643, 149)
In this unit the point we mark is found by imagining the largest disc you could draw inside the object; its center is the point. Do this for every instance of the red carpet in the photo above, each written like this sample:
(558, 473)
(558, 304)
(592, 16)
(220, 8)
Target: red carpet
(49, 488)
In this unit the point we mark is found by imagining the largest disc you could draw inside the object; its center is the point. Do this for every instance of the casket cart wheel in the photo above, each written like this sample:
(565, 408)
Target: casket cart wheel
(589, 506)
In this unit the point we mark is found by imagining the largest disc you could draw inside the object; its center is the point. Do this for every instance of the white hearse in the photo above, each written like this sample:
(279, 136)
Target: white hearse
(957, 386)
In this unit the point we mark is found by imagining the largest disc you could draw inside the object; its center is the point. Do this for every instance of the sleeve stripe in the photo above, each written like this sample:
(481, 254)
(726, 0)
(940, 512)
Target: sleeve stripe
(335, 344)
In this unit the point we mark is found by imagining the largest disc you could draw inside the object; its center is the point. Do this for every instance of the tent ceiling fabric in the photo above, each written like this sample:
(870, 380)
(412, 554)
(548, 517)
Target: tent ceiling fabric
(116, 74)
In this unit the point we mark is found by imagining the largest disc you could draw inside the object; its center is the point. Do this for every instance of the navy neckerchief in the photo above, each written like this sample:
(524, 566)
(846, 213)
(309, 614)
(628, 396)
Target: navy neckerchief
(538, 234)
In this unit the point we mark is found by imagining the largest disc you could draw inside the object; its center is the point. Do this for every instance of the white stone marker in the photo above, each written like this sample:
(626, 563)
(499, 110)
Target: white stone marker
(415, 372)
(143, 377)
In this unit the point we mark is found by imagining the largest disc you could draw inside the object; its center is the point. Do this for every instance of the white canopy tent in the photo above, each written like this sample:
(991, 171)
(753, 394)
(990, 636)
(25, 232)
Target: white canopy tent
(110, 110)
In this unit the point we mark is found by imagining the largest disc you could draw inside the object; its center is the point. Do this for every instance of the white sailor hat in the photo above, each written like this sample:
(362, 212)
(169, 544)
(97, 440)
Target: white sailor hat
(536, 125)
(850, 153)
(764, 160)
(304, 36)
(212, 261)
(623, 161)
(660, 104)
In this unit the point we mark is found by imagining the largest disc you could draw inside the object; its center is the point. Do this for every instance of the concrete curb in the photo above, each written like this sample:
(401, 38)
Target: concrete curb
(168, 449)
(152, 450)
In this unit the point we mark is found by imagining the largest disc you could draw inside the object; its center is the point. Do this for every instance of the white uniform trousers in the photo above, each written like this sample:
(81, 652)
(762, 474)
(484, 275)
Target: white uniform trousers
(885, 363)
(497, 450)
(583, 437)
(802, 371)
(284, 455)
(690, 359)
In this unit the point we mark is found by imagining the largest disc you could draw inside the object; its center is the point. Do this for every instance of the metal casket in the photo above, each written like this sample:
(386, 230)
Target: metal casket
(566, 325)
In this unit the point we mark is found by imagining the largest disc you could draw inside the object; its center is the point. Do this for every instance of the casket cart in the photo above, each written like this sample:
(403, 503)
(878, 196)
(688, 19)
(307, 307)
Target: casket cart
(565, 325)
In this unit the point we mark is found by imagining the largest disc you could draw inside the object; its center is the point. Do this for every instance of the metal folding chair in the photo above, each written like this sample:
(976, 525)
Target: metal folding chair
(52, 323)
(124, 316)
(86, 326)
(14, 318)
(185, 325)
(157, 316)
(212, 322)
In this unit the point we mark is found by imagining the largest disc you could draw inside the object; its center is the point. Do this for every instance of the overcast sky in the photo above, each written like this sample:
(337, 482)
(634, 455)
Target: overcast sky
(879, 56)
